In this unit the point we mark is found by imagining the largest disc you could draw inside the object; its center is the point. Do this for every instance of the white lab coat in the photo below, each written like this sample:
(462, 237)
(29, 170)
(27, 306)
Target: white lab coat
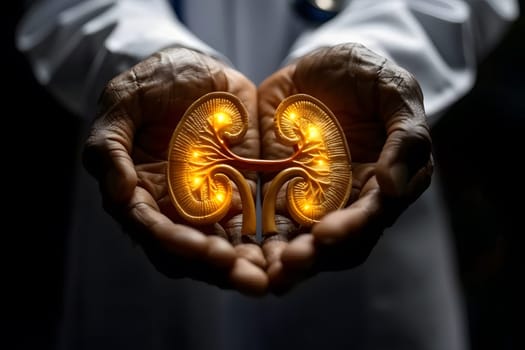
(405, 296)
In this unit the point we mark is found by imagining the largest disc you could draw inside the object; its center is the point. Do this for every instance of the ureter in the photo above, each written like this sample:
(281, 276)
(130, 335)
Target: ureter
(249, 222)
(270, 199)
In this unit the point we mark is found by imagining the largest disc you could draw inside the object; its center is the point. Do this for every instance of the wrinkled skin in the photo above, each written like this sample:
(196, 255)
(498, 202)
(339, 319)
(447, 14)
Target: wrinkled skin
(380, 108)
(378, 104)
(127, 150)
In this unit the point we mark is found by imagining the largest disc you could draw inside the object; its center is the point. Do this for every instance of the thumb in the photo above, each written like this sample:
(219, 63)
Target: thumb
(404, 167)
(106, 155)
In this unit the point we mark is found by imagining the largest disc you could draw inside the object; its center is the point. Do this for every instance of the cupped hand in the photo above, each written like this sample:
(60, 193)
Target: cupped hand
(379, 106)
(127, 150)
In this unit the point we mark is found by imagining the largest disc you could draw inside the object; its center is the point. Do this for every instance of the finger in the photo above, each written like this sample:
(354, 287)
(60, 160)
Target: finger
(300, 253)
(248, 278)
(272, 249)
(405, 160)
(296, 264)
(180, 240)
(421, 179)
(179, 251)
(107, 155)
(350, 222)
(252, 253)
(283, 280)
(219, 252)
(342, 239)
(290, 263)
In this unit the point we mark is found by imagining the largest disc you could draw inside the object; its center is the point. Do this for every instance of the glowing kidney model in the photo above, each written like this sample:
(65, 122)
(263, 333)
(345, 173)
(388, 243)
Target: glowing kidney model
(201, 166)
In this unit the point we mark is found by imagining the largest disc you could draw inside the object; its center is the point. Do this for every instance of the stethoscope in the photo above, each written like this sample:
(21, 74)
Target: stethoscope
(318, 10)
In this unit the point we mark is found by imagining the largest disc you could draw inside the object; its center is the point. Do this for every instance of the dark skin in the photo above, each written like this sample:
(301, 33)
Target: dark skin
(127, 151)
(380, 108)
(378, 104)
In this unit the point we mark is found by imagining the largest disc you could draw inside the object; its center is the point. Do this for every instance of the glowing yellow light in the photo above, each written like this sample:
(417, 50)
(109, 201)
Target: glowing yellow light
(322, 164)
(196, 154)
(313, 133)
(219, 197)
(221, 119)
(197, 181)
(308, 206)
(292, 116)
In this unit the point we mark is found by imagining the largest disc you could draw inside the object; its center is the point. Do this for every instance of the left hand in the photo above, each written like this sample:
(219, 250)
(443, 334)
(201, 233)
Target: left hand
(380, 108)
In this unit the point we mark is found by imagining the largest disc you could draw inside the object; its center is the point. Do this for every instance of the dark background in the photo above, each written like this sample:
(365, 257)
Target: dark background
(479, 148)
(40, 145)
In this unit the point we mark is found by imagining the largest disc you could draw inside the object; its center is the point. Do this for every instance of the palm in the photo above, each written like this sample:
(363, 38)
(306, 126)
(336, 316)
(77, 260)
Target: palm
(141, 108)
(353, 103)
(361, 124)
(371, 105)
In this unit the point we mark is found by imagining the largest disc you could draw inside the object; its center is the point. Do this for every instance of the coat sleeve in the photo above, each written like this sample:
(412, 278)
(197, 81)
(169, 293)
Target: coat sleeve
(438, 41)
(75, 47)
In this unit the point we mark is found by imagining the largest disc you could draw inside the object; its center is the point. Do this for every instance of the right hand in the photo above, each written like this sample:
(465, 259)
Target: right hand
(127, 150)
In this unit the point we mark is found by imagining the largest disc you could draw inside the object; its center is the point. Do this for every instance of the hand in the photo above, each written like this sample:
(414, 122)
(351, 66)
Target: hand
(380, 108)
(127, 150)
